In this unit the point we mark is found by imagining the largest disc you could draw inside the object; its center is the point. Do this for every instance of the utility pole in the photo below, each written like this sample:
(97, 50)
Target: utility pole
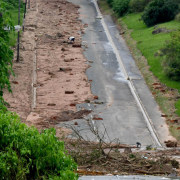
(18, 31)
(25, 9)
(24, 13)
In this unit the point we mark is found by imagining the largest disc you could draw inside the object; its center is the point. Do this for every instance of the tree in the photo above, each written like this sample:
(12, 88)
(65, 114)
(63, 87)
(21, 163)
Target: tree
(159, 11)
(120, 6)
(172, 57)
(6, 54)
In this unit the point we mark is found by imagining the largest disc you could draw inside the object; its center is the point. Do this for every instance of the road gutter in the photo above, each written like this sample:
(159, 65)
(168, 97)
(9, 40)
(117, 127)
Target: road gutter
(34, 77)
(130, 83)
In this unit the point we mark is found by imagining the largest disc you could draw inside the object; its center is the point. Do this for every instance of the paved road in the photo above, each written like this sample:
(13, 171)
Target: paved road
(121, 114)
(125, 178)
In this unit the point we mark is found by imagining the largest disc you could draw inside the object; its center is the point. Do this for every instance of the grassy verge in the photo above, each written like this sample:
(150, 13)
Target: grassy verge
(150, 44)
(144, 45)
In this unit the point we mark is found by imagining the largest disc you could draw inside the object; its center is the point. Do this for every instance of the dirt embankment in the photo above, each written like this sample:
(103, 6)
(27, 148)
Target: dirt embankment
(50, 78)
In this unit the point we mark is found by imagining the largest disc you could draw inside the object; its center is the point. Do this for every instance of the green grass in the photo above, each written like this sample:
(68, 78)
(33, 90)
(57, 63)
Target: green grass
(150, 44)
(14, 18)
(105, 7)
(177, 105)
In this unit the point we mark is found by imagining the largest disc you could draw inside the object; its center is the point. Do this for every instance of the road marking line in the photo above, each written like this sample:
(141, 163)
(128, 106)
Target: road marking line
(130, 83)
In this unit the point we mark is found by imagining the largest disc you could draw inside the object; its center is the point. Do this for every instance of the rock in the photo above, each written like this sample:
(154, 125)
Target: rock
(72, 104)
(15, 82)
(63, 49)
(87, 101)
(96, 117)
(65, 69)
(164, 115)
(59, 35)
(69, 92)
(127, 150)
(76, 45)
(122, 32)
(51, 104)
(170, 143)
(160, 30)
(96, 97)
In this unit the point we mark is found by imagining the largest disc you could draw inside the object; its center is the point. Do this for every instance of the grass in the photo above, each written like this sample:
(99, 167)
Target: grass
(150, 44)
(105, 7)
(177, 105)
(14, 18)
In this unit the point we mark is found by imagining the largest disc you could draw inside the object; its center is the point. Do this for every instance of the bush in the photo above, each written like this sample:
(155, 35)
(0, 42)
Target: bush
(120, 6)
(177, 17)
(138, 5)
(27, 154)
(159, 11)
(110, 2)
(172, 57)
(12, 4)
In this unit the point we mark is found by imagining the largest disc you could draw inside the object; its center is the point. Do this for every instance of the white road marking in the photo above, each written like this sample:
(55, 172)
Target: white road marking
(130, 83)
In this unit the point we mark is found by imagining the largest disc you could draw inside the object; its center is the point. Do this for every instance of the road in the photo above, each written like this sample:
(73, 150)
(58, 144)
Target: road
(125, 104)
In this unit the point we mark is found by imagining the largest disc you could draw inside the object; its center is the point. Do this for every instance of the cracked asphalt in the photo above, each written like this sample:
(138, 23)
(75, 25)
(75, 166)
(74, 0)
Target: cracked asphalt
(120, 114)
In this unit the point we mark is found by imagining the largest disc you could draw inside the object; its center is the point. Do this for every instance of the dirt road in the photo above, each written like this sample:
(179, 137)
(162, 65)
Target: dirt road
(50, 78)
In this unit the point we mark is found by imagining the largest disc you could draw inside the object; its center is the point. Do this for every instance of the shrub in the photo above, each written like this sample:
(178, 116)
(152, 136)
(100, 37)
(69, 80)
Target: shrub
(110, 2)
(138, 5)
(172, 57)
(11, 4)
(159, 11)
(177, 17)
(120, 6)
(27, 154)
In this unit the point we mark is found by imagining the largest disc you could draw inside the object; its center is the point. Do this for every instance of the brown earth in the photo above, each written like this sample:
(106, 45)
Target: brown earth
(50, 77)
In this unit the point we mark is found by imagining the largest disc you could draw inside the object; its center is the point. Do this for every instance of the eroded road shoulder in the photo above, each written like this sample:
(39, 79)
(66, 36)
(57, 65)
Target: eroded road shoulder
(51, 77)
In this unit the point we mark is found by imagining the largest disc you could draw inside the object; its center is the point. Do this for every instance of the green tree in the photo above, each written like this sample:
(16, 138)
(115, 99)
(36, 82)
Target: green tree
(6, 54)
(27, 154)
(138, 5)
(159, 11)
(120, 6)
(171, 53)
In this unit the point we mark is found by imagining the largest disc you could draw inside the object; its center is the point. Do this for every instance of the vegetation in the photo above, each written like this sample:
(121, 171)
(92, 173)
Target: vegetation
(143, 35)
(6, 53)
(177, 17)
(172, 57)
(138, 5)
(120, 7)
(8, 18)
(27, 154)
(159, 11)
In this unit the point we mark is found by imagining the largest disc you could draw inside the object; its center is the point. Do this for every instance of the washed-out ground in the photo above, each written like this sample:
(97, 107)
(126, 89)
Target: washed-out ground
(50, 81)
(50, 77)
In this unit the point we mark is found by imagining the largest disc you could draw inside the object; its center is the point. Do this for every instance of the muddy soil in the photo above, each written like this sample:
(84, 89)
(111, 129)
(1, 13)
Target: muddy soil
(50, 77)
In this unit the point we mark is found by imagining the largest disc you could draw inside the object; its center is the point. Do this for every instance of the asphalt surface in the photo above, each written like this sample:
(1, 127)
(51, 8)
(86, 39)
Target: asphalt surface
(125, 178)
(123, 119)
